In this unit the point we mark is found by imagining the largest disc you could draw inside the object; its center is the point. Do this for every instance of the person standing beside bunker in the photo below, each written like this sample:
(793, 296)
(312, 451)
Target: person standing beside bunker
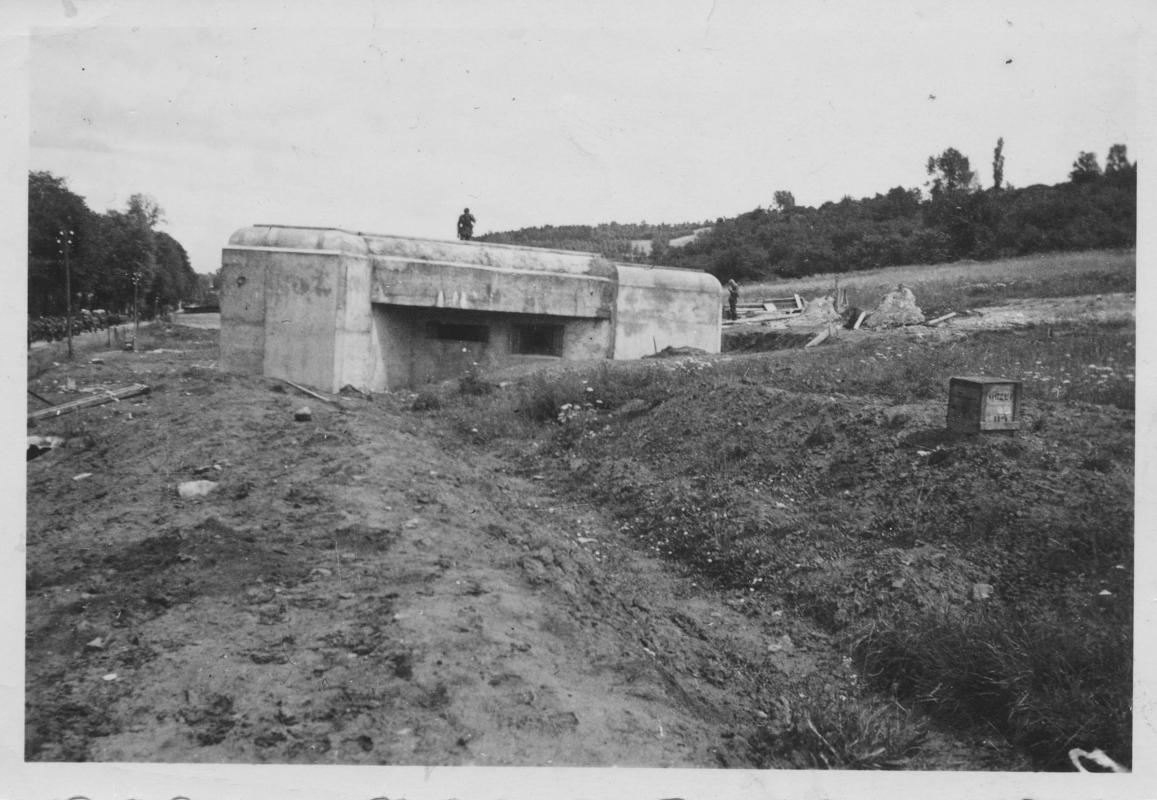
(732, 298)
(466, 225)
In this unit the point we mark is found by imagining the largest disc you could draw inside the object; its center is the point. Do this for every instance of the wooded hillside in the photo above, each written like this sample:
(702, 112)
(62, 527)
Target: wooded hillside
(954, 219)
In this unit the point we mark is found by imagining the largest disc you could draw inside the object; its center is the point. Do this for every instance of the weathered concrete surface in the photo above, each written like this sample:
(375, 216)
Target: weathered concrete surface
(329, 308)
(659, 307)
(243, 311)
(484, 277)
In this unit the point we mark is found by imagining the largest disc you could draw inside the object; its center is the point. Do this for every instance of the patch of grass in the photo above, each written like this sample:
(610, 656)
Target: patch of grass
(971, 284)
(1087, 363)
(816, 725)
(1045, 683)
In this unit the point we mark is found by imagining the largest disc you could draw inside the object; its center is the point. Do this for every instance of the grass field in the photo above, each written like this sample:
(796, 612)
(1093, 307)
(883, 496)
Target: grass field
(970, 284)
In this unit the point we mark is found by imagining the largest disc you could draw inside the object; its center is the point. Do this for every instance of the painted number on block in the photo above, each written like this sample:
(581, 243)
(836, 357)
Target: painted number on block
(999, 405)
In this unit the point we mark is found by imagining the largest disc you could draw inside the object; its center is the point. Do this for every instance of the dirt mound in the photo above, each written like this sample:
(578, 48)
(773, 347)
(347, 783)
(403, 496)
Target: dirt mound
(818, 311)
(897, 308)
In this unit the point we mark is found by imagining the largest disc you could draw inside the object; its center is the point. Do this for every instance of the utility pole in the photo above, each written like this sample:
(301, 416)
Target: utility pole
(64, 241)
(136, 308)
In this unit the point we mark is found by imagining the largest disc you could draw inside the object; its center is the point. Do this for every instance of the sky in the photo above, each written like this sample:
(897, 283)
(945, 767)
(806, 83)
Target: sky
(392, 117)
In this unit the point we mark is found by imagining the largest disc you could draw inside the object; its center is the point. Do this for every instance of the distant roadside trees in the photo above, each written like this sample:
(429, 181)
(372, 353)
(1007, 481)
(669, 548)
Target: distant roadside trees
(111, 254)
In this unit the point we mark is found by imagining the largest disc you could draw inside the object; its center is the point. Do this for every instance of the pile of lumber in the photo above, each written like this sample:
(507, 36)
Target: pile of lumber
(766, 310)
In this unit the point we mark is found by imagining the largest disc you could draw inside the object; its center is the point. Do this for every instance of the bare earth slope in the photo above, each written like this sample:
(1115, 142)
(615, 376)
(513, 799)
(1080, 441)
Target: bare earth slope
(350, 593)
(368, 586)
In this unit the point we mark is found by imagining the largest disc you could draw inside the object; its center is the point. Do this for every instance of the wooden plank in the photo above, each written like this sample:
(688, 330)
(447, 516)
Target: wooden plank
(938, 320)
(819, 337)
(310, 392)
(860, 320)
(41, 399)
(89, 402)
(768, 317)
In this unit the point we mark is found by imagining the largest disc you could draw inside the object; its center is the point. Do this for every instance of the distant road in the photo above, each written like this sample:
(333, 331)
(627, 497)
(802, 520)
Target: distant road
(209, 321)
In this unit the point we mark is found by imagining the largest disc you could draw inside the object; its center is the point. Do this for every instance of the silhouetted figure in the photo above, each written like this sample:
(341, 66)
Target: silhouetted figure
(466, 225)
(732, 298)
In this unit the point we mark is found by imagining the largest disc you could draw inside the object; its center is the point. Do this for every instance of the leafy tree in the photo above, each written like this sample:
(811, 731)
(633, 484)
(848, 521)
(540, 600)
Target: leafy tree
(784, 200)
(108, 253)
(1117, 160)
(898, 203)
(998, 165)
(950, 173)
(175, 279)
(53, 208)
(1085, 168)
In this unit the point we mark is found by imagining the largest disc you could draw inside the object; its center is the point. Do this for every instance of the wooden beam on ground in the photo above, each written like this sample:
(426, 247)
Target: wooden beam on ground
(109, 396)
(768, 317)
(938, 320)
(41, 399)
(819, 337)
(310, 392)
(860, 320)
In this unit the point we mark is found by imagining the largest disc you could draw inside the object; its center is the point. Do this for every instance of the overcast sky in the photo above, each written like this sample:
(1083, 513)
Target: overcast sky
(391, 117)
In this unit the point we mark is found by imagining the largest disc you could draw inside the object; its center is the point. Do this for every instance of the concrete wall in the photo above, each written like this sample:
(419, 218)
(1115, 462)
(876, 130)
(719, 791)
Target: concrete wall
(294, 305)
(485, 277)
(243, 311)
(659, 307)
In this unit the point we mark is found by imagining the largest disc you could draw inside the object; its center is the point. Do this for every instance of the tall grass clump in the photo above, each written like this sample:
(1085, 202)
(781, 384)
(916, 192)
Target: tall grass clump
(1046, 684)
(818, 725)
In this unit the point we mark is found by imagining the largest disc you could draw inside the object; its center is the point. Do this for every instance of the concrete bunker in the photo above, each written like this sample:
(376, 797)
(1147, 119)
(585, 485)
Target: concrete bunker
(329, 308)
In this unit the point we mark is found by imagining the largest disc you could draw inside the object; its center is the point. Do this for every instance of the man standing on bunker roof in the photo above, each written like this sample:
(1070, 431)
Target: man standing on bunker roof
(466, 225)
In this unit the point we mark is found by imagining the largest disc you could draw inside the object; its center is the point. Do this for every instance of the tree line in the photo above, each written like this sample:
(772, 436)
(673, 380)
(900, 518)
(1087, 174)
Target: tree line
(612, 240)
(108, 261)
(954, 219)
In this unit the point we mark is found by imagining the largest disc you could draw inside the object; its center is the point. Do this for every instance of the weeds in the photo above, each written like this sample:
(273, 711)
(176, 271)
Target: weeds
(1086, 363)
(794, 492)
(817, 725)
(1047, 684)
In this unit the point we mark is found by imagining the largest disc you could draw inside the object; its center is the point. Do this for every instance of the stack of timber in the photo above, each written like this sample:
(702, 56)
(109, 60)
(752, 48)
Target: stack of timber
(771, 309)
